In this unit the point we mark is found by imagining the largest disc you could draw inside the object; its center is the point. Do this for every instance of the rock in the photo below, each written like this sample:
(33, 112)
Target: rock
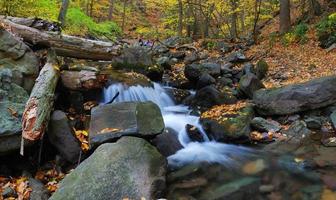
(236, 57)
(205, 80)
(154, 73)
(39, 191)
(194, 71)
(167, 143)
(209, 96)
(231, 127)
(262, 124)
(110, 122)
(223, 81)
(130, 168)
(296, 98)
(19, 58)
(194, 134)
(241, 188)
(62, 137)
(314, 122)
(164, 62)
(179, 95)
(333, 119)
(178, 55)
(9, 192)
(212, 69)
(248, 68)
(13, 99)
(261, 69)
(296, 140)
(190, 58)
(248, 84)
(133, 57)
(227, 68)
(266, 188)
(223, 47)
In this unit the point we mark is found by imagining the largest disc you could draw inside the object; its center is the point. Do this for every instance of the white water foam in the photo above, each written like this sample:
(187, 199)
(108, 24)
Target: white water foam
(177, 117)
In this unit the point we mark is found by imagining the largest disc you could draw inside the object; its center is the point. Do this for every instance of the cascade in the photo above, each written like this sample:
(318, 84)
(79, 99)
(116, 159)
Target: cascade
(177, 117)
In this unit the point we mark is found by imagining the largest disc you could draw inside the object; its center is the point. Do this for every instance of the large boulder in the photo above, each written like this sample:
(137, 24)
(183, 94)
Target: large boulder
(62, 136)
(296, 98)
(110, 122)
(12, 103)
(130, 168)
(19, 58)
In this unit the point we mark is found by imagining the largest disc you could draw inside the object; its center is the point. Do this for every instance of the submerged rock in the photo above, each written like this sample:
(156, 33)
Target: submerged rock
(110, 122)
(296, 98)
(130, 168)
(194, 134)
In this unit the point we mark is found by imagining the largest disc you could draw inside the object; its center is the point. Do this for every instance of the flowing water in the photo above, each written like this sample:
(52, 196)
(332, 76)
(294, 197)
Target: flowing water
(177, 117)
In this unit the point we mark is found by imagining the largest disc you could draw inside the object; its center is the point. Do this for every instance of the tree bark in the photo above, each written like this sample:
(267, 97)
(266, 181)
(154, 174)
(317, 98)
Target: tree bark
(36, 115)
(64, 45)
(284, 16)
(83, 80)
(111, 8)
(124, 16)
(180, 18)
(234, 34)
(63, 11)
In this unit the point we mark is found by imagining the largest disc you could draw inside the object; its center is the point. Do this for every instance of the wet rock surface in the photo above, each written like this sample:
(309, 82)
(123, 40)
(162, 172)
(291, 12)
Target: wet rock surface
(130, 168)
(110, 122)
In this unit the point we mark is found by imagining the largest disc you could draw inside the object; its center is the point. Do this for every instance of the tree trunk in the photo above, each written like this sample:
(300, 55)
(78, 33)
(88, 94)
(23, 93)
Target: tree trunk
(36, 115)
(234, 17)
(64, 45)
(124, 16)
(285, 23)
(314, 8)
(111, 7)
(180, 19)
(63, 11)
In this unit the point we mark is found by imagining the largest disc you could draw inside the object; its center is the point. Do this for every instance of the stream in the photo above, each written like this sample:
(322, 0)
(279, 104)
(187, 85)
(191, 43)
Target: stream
(177, 117)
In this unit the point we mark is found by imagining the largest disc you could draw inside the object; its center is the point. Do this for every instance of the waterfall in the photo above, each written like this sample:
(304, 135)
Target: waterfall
(177, 117)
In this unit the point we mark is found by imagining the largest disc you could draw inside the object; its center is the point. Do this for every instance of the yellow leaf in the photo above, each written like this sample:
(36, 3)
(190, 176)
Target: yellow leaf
(107, 130)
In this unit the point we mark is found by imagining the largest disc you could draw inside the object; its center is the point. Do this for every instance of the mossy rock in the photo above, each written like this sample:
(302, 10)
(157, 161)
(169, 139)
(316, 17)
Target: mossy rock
(230, 126)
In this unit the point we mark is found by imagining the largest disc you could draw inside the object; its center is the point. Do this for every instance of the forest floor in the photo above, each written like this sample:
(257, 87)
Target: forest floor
(295, 62)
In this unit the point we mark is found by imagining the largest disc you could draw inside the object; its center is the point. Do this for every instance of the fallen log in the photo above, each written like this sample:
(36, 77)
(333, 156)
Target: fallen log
(40, 104)
(36, 23)
(83, 80)
(64, 45)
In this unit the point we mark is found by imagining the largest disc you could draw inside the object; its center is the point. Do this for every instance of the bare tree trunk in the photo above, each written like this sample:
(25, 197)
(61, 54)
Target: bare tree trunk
(314, 8)
(180, 19)
(63, 11)
(257, 8)
(234, 17)
(111, 7)
(242, 21)
(285, 22)
(188, 15)
(124, 16)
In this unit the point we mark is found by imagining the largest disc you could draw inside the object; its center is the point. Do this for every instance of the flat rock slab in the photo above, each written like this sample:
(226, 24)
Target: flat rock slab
(296, 98)
(111, 122)
(130, 168)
